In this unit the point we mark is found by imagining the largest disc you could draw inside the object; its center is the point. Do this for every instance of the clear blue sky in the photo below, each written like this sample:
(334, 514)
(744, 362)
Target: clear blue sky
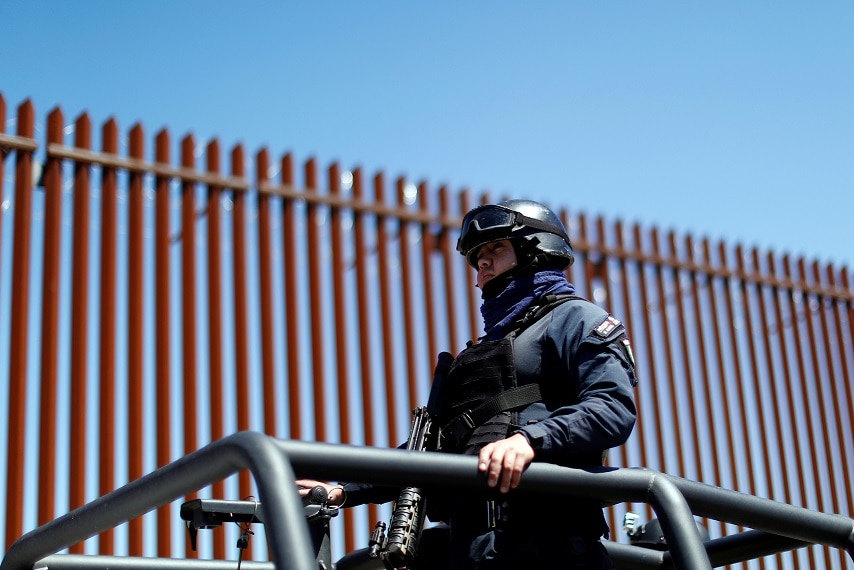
(730, 120)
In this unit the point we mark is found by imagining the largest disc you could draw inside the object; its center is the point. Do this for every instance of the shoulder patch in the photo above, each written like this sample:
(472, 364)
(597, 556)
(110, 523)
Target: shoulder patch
(607, 327)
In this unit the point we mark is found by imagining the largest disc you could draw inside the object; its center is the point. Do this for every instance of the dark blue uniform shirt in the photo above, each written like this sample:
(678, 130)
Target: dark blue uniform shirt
(579, 355)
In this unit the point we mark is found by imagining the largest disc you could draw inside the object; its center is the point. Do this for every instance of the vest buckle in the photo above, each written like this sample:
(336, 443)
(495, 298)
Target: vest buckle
(458, 429)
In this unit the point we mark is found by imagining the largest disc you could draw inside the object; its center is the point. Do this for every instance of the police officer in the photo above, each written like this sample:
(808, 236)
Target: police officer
(550, 381)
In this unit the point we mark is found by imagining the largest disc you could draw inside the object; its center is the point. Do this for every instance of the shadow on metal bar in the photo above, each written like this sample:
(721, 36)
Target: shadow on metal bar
(779, 527)
(90, 562)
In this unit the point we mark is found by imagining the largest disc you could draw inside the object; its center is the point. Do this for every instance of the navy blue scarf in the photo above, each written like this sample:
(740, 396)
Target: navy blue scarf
(500, 311)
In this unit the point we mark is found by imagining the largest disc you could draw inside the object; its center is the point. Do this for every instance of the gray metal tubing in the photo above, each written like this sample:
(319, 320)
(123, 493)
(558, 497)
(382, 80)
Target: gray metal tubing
(749, 545)
(273, 462)
(95, 562)
(626, 557)
(287, 534)
(432, 470)
(732, 549)
(724, 551)
(764, 514)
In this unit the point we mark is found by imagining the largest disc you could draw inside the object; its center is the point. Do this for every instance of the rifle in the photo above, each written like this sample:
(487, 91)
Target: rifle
(409, 512)
(399, 548)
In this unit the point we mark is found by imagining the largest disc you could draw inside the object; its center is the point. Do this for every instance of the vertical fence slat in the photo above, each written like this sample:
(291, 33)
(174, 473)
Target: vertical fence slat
(408, 300)
(818, 376)
(79, 324)
(2, 169)
(188, 309)
(822, 375)
(136, 330)
(801, 382)
(785, 458)
(765, 333)
(846, 285)
(820, 382)
(564, 217)
(722, 392)
(775, 400)
(664, 304)
(342, 346)
(162, 329)
(341, 321)
(847, 357)
(587, 268)
(472, 293)
(783, 352)
(242, 377)
(188, 295)
(610, 297)
(601, 270)
(215, 326)
(844, 384)
(753, 384)
(107, 342)
(652, 370)
(821, 417)
(315, 290)
(289, 238)
(700, 346)
(19, 328)
(639, 437)
(241, 307)
(446, 248)
(49, 326)
(265, 285)
(687, 371)
(735, 357)
(386, 323)
(831, 379)
(429, 245)
(366, 328)
(365, 320)
(603, 275)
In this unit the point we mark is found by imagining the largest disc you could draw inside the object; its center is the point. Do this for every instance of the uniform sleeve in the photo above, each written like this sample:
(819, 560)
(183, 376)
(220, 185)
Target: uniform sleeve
(369, 493)
(596, 363)
(364, 493)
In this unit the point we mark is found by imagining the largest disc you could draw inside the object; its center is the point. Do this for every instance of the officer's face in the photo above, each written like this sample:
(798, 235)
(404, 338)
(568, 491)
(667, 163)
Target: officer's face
(493, 259)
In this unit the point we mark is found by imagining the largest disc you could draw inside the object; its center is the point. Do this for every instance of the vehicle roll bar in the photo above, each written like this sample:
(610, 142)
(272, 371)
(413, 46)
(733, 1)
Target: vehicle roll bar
(275, 462)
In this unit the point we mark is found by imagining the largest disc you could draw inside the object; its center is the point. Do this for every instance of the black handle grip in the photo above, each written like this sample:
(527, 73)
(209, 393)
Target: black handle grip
(316, 496)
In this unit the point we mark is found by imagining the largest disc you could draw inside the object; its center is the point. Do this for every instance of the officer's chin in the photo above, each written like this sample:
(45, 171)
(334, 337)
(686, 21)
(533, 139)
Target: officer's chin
(482, 281)
(495, 285)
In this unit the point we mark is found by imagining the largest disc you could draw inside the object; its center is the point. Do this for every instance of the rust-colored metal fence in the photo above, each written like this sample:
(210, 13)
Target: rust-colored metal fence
(149, 306)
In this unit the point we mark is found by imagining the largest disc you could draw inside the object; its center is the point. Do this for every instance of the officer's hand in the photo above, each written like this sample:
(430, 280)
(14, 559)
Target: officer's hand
(335, 493)
(504, 460)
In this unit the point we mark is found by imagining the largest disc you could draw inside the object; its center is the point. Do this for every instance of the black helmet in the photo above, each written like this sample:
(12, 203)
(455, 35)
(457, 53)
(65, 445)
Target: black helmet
(531, 226)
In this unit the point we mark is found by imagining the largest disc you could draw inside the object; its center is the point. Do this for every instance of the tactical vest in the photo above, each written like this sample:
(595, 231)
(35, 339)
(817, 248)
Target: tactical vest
(480, 391)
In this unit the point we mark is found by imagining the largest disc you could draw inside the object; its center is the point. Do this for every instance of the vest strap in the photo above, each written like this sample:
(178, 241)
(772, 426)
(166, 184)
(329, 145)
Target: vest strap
(459, 427)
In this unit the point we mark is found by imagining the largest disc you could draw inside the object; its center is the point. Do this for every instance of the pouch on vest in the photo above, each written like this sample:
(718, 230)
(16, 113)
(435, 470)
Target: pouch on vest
(480, 372)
